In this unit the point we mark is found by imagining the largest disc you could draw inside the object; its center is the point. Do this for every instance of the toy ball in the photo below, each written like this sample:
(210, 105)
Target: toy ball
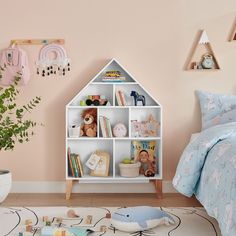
(140, 218)
(119, 130)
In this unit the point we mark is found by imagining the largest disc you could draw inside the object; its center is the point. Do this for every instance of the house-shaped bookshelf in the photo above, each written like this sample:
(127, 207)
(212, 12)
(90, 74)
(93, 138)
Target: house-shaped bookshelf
(113, 84)
(202, 51)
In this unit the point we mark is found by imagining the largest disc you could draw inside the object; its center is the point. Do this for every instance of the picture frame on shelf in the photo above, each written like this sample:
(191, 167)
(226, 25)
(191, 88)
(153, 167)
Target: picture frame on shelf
(102, 168)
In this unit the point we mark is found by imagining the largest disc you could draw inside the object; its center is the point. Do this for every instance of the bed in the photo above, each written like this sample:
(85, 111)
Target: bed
(207, 167)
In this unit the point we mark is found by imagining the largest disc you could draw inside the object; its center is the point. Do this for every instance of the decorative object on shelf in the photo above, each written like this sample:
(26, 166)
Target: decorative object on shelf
(119, 130)
(144, 152)
(47, 66)
(139, 219)
(113, 76)
(148, 128)
(105, 126)
(89, 125)
(95, 100)
(14, 63)
(129, 170)
(102, 168)
(74, 131)
(92, 162)
(208, 60)
(36, 41)
(138, 98)
(120, 98)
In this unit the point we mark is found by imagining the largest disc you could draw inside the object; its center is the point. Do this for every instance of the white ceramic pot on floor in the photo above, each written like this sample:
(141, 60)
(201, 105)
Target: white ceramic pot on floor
(5, 184)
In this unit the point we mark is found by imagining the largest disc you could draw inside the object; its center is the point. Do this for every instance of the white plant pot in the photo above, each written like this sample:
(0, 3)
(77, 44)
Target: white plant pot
(5, 184)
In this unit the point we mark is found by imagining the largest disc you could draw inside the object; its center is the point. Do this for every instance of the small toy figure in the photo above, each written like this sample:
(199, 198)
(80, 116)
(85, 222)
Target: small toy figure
(207, 61)
(119, 130)
(137, 98)
(71, 214)
(89, 126)
(148, 167)
(113, 73)
(96, 100)
(88, 220)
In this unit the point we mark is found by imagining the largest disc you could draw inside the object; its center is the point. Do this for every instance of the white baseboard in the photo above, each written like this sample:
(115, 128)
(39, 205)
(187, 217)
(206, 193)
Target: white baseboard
(60, 187)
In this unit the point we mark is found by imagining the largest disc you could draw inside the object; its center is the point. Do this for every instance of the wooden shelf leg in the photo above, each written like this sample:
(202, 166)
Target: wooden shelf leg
(158, 187)
(69, 185)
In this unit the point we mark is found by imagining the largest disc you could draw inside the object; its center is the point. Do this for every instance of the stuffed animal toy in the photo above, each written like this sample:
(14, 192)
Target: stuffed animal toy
(89, 126)
(139, 218)
(148, 167)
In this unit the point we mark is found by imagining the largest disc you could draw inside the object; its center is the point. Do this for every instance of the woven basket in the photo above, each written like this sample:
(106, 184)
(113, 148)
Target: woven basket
(129, 170)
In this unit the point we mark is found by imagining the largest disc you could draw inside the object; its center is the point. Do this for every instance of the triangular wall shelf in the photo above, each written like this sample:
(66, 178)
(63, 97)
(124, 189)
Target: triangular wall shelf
(116, 111)
(201, 50)
(233, 34)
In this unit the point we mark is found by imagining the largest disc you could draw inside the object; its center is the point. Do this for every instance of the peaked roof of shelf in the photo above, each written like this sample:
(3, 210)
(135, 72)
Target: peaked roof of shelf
(203, 40)
(107, 67)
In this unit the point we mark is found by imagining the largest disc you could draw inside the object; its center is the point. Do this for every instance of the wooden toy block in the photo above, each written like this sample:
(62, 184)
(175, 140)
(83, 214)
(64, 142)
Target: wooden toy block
(103, 228)
(108, 215)
(48, 223)
(28, 222)
(71, 214)
(45, 218)
(29, 228)
(88, 220)
(59, 220)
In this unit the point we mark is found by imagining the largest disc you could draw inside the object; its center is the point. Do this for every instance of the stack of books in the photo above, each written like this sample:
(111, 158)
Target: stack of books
(113, 79)
(75, 168)
(105, 125)
(120, 98)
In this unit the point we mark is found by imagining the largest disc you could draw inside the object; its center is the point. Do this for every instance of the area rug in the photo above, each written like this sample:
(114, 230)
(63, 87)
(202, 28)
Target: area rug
(189, 221)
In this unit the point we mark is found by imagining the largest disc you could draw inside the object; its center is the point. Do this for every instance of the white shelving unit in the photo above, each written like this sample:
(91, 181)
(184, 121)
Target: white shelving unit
(118, 148)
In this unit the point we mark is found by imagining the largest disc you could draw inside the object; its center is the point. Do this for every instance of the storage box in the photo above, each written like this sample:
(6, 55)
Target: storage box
(74, 132)
(129, 170)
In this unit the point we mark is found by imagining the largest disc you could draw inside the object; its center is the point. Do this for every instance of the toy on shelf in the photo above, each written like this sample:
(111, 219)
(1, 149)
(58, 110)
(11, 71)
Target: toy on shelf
(144, 152)
(119, 130)
(138, 98)
(207, 61)
(113, 76)
(140, 218)
(95, 100)
(147, 128)
(89, 125)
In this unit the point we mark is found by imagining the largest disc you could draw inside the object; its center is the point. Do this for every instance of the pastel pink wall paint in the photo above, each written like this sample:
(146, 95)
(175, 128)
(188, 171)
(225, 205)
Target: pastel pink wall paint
(152, 39)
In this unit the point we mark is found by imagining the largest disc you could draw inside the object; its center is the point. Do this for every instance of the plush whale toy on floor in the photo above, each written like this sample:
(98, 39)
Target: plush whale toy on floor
(140, 218)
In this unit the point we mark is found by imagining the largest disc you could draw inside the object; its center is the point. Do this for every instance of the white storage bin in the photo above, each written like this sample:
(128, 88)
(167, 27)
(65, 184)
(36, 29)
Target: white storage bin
(129, 170)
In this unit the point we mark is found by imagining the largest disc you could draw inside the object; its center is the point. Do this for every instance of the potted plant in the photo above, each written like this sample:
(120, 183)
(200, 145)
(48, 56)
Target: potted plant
(14, 127)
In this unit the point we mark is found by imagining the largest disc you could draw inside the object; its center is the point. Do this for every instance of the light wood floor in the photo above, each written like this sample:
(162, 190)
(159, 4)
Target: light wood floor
(169, 200)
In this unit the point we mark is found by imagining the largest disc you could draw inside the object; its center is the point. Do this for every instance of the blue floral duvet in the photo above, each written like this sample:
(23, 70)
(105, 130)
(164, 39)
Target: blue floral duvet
(207, 169)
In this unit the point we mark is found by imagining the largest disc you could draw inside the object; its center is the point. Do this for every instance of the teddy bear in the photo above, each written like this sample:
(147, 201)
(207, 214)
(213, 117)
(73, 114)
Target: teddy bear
(89, 126)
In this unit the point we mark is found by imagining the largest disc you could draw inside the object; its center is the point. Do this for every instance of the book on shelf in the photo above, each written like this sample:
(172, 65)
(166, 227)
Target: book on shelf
(80, 166)
(144, 151)
(92, 162)
(75, 168)
(120, 97)
(113, 79)
(105, 125)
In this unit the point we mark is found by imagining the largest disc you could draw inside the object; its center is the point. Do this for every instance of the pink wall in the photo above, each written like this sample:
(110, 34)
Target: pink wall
(152, 39)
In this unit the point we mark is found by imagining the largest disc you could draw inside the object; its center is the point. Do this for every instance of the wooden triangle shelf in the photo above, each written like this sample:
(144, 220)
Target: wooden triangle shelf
(202, 56)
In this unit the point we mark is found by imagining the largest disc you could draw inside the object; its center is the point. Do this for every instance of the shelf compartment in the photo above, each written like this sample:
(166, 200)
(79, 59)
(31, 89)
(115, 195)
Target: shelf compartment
(141, 114)
(74, 118)
(84, 148)
(127, 88)
(105, 90)
(114, 66)
(123, 150)
(115, 116)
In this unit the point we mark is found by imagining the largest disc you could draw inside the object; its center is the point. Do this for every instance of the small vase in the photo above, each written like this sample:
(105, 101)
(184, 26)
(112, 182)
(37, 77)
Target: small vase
(5, 184)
